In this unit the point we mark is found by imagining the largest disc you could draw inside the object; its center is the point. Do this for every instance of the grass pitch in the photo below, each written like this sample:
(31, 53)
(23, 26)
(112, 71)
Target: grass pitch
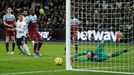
(45, 65)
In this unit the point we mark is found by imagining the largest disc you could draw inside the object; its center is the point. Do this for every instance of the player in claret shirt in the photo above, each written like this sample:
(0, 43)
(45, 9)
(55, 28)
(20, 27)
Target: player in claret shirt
(75, 25)
(74, 29)
(33, 33)
(9, 22)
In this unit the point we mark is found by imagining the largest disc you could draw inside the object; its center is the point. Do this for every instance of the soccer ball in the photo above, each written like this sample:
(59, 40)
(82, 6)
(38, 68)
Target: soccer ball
(58, 61)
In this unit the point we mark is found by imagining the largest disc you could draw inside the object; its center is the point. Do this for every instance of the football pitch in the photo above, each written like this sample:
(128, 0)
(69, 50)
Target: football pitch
(27, 65)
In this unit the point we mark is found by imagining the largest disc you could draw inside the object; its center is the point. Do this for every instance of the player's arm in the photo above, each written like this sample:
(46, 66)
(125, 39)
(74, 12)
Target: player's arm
(14, 20)
(28, 20)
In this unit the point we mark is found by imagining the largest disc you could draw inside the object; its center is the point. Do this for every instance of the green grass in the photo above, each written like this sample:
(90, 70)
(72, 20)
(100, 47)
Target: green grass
(45, 65)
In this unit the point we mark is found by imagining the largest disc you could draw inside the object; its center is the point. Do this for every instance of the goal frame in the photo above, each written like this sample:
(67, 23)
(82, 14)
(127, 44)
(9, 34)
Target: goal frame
(68, 44)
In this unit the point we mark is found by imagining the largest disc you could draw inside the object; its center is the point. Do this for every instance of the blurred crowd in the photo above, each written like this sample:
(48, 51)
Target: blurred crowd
(93, 14)
(50, 13)
(101, 14)
(106, 15)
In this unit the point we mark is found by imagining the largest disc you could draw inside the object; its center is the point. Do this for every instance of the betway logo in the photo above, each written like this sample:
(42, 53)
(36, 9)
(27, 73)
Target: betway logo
(96, 35)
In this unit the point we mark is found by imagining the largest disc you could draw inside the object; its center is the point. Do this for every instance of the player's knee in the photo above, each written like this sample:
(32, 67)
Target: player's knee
(40, 41)
(13, 40)
(7, 39)
(23, 42)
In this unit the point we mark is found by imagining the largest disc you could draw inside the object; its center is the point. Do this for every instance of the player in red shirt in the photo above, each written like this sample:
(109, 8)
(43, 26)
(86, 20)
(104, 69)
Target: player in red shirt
(75, 24)
(33, 32)
(9, 22)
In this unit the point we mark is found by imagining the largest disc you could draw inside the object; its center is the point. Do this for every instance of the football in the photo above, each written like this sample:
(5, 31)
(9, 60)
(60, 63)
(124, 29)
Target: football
(58, 61)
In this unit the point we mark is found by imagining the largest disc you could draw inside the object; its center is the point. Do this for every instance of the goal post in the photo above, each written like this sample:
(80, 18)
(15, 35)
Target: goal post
(106, 22)
(68, 32)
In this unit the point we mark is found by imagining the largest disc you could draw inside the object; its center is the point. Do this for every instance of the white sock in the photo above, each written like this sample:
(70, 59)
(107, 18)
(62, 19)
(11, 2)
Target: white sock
(33, 42)
(26, 49)
(21, 47)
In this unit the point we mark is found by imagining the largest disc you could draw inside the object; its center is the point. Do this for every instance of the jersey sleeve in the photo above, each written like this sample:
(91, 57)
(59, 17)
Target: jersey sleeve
(4, 17)
(14, 18)
(28, 20)
(78, 22)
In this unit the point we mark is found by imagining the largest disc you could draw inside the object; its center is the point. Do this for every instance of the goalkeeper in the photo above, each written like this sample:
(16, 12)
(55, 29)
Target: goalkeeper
(96, 56)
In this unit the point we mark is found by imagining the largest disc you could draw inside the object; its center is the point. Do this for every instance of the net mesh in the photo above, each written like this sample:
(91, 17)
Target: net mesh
(104, 20)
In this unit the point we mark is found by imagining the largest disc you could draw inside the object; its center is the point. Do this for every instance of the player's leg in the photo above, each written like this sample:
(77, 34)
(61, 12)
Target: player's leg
(74, 37)
(13, 41)
(33, 42)
(39, 44)
(76, 45)
(7, 44)
(32, 36)
(7, 41)
(119, 53)
(24, 46)
(18, 41)
(36, 45)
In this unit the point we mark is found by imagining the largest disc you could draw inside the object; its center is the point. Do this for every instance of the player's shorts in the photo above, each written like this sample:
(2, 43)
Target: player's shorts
(74, 29)
(9, 33)
(34, 35)
(19, 40)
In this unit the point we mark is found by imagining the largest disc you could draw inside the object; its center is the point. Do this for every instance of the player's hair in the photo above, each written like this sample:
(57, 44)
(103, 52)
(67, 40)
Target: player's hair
(25, 10)
(7, 7)
(31, 9)
(20, 14)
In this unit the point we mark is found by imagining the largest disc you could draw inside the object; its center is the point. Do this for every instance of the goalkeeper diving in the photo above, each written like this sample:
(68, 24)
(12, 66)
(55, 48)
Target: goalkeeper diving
(99, 55)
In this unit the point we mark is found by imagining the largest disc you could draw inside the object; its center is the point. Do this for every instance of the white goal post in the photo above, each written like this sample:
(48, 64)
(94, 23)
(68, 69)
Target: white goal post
(68, 32)
(109, 20)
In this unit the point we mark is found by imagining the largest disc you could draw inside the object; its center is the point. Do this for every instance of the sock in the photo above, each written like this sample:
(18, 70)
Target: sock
(26, 49)
(13, 46)
(76, 48)
(21, 48)
(35, 47)
(65, 50)
(33, 42)
(39, 46)
(119, 53)
(7, 45)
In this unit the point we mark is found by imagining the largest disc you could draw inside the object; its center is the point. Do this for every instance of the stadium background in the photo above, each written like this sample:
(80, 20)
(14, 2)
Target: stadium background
(52, 21)
(51, 16)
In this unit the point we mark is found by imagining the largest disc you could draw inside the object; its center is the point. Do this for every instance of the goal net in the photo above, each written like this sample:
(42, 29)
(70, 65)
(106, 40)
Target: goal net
(100, 37)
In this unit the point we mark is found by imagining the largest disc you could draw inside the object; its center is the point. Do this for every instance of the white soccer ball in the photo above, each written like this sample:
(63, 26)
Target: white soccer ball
(58, 61)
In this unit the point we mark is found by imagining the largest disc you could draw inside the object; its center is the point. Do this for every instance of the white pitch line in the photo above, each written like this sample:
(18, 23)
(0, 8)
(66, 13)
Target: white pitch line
(31, 72)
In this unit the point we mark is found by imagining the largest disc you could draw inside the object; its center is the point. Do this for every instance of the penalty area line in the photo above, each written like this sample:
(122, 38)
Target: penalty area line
(31, 72)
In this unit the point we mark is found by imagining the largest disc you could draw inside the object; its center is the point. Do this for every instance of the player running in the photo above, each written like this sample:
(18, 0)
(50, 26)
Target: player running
(9, 22)
(34, 34)
(21, 35)
(96, 56)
